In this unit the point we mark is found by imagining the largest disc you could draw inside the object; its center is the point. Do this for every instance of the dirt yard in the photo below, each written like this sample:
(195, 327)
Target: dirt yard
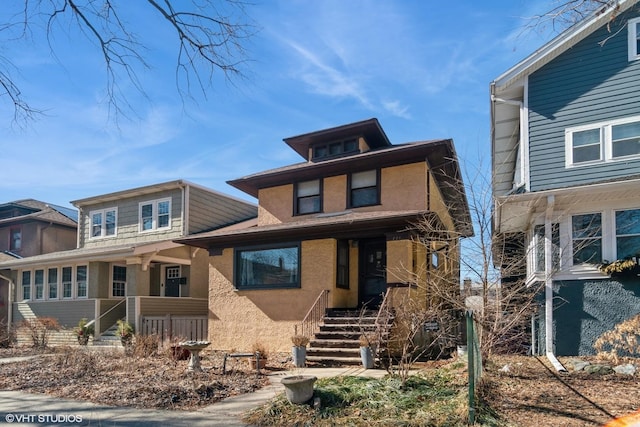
(527, 393)
(112, 378)
(530, 392)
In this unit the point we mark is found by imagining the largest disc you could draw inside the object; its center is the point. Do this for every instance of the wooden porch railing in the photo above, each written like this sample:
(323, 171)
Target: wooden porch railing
(167, 328)
(314, 316)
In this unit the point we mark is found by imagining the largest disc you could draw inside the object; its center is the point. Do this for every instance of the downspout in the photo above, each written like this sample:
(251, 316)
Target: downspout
(548, 286)
(10, 286)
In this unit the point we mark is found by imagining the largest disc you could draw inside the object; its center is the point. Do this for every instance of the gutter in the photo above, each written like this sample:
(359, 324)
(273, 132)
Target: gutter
(555, 362)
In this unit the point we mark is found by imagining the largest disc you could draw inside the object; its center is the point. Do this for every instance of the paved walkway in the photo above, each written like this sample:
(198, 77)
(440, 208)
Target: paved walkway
(25, 409)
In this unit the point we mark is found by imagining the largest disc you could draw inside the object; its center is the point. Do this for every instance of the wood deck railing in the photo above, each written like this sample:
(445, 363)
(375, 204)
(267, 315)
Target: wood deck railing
(312, 320)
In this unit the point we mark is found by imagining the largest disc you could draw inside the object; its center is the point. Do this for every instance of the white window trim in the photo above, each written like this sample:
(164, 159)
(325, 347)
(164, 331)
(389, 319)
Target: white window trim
(606, 147)
(103, 226)
(62, 282)
(57, 285)
(633, 39)
(74, 279)
(154, 213)
(111, 280)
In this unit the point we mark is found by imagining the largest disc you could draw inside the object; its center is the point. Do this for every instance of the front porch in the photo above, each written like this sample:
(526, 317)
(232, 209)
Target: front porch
(167, 317)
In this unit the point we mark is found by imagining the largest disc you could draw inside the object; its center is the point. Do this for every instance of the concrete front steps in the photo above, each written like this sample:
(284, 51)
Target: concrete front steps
(108, 338)
(337, 342)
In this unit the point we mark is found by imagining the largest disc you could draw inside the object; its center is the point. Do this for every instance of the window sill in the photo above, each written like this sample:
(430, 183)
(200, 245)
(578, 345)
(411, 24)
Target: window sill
(265, 288)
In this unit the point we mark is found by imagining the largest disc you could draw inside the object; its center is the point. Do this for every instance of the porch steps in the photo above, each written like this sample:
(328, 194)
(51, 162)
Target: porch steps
(337, 341)
(108, 338)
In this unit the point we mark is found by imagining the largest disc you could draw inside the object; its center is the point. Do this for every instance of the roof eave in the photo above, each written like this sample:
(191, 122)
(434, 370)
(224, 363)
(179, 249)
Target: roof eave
(558, 45)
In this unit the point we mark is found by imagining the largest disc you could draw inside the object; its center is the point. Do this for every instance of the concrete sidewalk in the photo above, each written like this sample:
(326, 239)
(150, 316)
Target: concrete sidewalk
(25, 409)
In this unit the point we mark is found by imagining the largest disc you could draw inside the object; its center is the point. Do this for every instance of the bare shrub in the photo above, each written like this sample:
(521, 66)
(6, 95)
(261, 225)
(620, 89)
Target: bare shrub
(621, 341)
(7, 335)
(145, 345)
(40, 329)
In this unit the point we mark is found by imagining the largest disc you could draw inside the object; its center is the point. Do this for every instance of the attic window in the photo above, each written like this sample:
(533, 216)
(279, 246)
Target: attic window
(335, 149)
(634, 39)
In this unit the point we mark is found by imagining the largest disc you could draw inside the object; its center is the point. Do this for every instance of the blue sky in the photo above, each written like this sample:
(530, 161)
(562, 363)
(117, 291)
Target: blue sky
(421, 67)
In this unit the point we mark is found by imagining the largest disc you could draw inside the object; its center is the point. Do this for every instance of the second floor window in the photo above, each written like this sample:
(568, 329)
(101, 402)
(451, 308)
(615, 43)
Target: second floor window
(155, 215)
(363, 189)
(103, 223)
(15, 243)
(308, 197)
(586, 231)
(607, 141)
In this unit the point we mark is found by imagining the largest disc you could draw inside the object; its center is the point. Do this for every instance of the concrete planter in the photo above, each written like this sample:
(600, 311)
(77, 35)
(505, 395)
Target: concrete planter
(368, 356)
(299, 355)
(299, 388)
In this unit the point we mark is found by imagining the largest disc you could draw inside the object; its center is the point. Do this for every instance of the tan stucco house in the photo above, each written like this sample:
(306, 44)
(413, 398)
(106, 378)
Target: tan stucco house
(338, 227)
(126, 264)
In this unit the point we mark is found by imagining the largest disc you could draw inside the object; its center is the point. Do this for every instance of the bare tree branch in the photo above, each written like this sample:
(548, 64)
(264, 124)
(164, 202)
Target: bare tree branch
(210, 35)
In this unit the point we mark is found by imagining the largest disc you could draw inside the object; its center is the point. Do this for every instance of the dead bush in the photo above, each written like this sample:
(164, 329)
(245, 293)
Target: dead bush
(621, 341)
(145, 345)
(40, 329)
(7, 335)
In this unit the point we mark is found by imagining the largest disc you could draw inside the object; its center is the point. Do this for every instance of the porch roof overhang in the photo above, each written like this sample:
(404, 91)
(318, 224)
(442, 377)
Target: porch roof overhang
(341, 225)
(514, 213)
(132, 254)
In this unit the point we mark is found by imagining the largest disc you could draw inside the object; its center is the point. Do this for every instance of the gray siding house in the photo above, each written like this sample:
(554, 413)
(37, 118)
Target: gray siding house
(566, 176)
(126, 264)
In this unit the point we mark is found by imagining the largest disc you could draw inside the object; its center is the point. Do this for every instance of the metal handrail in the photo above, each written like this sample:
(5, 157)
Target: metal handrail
(383, 309)
(105, 313)
(315, 315)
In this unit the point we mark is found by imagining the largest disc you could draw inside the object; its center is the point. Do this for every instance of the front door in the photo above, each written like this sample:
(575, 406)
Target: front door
(172, 280)
(373, 279)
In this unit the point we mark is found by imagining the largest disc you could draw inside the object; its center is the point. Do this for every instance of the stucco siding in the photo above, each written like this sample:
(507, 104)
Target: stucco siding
(590, 83)
(588, 309)
(239, 319)
(276, 203)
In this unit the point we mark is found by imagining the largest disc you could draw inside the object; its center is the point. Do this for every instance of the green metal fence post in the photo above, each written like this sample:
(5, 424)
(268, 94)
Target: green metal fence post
(471, 367)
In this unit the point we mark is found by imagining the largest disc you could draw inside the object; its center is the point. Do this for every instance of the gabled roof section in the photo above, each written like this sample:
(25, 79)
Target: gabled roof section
(369, 129)
(132, 192)
(35, 210)
(561, 43)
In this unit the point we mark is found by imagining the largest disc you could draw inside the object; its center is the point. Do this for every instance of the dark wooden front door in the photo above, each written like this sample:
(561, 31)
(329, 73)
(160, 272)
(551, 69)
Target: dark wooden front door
(373, 266)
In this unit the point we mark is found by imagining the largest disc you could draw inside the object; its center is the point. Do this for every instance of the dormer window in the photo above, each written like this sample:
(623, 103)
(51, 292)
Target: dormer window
(335, 149)
(634, 39)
